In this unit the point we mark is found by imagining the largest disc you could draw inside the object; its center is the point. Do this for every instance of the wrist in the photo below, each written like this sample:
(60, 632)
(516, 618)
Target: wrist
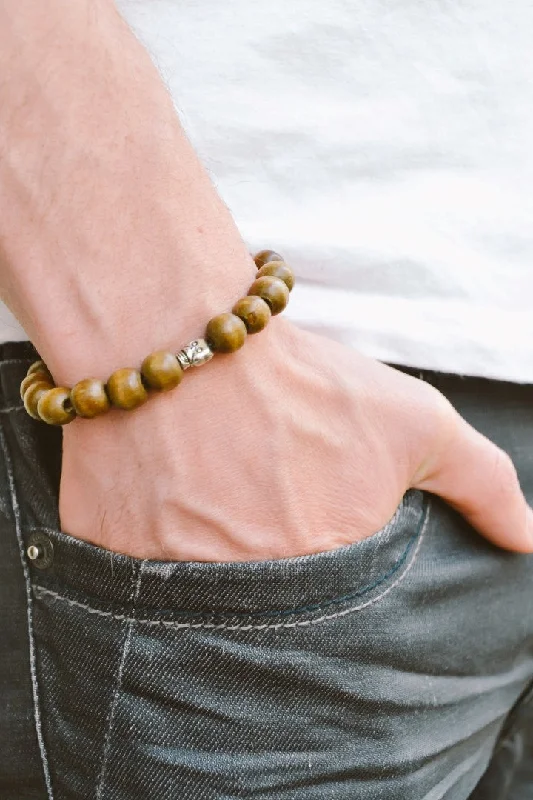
(165, 303)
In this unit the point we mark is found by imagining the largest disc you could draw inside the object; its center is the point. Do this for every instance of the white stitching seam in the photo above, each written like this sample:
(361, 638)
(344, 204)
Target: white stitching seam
(39, 590)
(109, 722)
(33, 666)
(11, 408)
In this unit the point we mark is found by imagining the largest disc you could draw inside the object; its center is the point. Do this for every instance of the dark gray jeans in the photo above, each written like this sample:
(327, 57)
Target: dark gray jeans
(398, 668)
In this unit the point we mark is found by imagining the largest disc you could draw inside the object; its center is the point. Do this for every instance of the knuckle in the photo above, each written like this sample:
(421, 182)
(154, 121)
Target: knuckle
(440, 425)
(505, 476)
(436, 401)
(443, 407)
(445, 418)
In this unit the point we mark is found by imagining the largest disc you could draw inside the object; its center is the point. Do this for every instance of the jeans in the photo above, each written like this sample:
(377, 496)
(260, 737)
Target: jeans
(396, 668)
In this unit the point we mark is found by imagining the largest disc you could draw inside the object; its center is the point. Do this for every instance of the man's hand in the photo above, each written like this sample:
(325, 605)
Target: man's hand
(292, 445)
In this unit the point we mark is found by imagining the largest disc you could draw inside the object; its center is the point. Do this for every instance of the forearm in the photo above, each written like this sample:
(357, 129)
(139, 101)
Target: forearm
(111, 233)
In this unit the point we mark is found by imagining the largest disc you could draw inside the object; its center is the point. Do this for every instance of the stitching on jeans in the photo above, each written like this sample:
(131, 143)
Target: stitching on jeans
(11, 408)
(300, 609)
(118, 683)
(325, 603)
(15, 361)
(31, 639)
(39, 590)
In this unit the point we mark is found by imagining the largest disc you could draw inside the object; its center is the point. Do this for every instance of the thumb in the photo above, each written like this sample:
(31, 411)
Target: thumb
(478, 479)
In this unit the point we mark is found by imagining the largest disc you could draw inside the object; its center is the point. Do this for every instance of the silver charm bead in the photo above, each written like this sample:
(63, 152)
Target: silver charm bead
(183, 360)
(195, 354)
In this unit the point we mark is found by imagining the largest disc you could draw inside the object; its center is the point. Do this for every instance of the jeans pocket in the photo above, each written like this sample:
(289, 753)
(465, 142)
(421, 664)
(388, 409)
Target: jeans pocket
(157, 679)
(74, 571)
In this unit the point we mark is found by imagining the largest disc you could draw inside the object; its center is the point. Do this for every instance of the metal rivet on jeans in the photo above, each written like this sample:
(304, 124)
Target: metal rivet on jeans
(40, 550)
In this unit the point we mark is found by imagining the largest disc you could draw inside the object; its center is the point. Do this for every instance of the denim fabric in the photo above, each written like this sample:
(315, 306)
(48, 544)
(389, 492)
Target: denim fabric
(397, 668)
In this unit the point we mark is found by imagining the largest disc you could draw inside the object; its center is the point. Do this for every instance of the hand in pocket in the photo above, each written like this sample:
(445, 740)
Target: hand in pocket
(293, 445)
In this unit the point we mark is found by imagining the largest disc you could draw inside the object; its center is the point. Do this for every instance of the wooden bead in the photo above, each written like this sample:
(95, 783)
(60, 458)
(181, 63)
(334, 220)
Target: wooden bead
(55, 406)
(89, 398)
(273, 291)
(253, 311)
(225, 333)
(125, 388)
(33, 394)
(161, 370)
(264, 256)
(279, 269)
(38, 366)
(35, 377)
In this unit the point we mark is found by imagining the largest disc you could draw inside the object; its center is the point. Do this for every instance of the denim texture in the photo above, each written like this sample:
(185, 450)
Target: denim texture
(400, 667)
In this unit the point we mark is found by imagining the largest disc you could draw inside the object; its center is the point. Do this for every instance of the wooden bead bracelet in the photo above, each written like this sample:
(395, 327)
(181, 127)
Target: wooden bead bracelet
(128, 388)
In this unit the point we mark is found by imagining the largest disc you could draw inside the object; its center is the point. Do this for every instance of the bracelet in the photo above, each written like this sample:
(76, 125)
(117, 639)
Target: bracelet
(128, 388)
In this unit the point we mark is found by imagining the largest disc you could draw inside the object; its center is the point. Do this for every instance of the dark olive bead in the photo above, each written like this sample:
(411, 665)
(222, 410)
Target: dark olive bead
(161, 370)
(264, 256)
(125, 388)
(35, 377)
(33, 394)
(225, 333)
(279, 269)
(273, 291)
(55, 406)
(253, 311)
(89, 398)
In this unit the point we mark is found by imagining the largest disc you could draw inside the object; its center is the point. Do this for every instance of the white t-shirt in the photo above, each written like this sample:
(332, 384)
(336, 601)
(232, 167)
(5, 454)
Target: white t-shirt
(385, 149)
